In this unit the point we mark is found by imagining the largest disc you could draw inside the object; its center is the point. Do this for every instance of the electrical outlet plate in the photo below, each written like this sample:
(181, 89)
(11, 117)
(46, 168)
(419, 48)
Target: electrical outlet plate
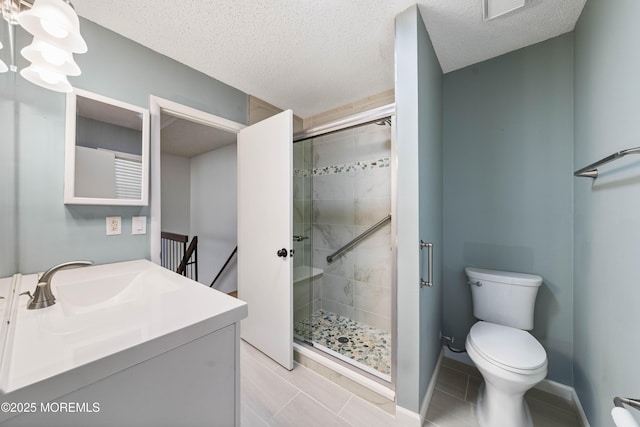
(138, 225)
(114, 225)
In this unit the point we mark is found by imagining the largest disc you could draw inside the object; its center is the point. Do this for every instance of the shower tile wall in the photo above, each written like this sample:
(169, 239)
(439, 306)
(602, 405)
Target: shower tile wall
(351, 192)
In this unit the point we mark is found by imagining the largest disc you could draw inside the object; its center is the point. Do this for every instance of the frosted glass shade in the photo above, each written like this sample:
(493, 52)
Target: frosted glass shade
(55, 22)
(42, 53)
(47, 78)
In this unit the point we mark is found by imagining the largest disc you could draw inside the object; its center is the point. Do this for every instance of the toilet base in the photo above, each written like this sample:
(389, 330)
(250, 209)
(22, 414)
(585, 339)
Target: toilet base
(501, 410)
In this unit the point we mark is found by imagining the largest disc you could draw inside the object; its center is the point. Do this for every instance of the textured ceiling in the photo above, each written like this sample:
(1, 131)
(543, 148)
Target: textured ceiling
(184, 138)
(315, 55)
(461, 37)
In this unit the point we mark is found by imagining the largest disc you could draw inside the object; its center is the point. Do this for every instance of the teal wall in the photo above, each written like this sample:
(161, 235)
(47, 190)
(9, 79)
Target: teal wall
(430, 167)
(42, 230)
(419, 201)
(8, 172)
(508, 155)
(92, 133)
(607, 210)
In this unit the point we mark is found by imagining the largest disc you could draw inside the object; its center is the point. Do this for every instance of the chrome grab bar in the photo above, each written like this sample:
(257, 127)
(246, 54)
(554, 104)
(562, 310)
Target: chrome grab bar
(621, 401)
(299, 238)
(591, 170)
(357, 240)
(429, 282)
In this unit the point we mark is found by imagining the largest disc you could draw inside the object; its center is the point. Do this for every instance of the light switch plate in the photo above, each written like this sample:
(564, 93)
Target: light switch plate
(114, 225)
(138, 225)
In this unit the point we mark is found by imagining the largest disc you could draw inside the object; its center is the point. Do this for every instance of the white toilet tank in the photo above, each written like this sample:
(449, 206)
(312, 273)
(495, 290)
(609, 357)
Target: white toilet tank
(503, 297)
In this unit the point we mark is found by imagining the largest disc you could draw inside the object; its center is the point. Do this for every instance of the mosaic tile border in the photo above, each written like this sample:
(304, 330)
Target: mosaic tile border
(365, 344)
(345, 168)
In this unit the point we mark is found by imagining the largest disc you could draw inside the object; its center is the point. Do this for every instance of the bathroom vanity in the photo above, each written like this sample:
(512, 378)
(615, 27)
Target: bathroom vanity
(128, 343)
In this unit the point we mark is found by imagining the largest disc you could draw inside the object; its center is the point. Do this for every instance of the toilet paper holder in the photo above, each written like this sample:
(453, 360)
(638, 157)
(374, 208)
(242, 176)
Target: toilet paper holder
(621, 401)
(621, 415)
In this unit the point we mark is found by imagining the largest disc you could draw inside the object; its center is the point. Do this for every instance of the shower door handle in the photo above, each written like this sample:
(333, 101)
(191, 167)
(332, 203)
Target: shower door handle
(282, 253)
(429, 282)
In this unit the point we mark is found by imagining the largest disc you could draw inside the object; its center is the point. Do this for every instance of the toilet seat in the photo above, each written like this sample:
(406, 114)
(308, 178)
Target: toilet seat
(511, 349)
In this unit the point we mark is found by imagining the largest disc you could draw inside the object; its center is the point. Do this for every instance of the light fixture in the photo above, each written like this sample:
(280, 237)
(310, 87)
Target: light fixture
(55, 22)
(47, 78)
(494, 8)
(41, 52)
(56, 37)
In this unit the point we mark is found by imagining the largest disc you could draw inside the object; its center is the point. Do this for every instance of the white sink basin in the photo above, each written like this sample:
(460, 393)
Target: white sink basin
(109, 290)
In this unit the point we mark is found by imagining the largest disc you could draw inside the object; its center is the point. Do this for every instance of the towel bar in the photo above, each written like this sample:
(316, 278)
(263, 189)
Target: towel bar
(591, 170)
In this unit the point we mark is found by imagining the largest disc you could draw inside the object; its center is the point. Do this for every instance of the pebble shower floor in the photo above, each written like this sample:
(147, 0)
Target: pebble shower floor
(365, 344)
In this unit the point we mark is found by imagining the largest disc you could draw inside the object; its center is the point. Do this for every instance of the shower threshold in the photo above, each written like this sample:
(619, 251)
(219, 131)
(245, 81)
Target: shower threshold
(360, 345)
(352, 362)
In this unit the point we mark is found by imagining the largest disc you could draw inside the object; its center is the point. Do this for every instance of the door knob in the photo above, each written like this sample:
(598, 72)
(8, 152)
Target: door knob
(282, 253)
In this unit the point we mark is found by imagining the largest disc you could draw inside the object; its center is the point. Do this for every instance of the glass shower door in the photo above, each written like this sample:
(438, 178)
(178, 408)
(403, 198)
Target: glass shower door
(305, 298)
(344, 201)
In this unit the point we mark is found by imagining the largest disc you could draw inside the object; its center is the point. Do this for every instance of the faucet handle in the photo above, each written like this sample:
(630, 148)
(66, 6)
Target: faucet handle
(42, 297)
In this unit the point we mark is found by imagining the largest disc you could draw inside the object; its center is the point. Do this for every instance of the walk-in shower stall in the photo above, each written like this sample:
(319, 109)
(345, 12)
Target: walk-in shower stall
(344, 264)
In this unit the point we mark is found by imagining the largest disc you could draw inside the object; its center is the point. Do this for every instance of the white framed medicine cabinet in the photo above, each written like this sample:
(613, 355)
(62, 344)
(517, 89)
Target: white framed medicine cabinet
(106, 151)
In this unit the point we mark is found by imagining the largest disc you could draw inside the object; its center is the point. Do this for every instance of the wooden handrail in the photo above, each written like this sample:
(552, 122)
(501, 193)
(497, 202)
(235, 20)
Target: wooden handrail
(175, 237)
(224, 266)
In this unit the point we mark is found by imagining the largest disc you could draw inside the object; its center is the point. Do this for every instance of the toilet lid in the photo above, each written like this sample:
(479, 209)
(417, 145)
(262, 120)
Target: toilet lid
(507, 346)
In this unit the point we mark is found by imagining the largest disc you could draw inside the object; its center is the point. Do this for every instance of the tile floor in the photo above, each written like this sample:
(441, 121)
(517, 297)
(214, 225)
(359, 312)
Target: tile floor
(273, 396)
(453, 402)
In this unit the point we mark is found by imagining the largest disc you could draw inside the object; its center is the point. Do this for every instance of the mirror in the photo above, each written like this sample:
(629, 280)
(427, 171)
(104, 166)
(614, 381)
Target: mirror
(106, 151)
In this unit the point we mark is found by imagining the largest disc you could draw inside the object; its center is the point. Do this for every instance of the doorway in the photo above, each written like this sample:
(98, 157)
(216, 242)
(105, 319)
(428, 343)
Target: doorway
(194, 164)
(257, 271)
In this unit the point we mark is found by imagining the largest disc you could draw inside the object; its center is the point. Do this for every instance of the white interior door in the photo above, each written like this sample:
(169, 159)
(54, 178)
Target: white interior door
(265, 233)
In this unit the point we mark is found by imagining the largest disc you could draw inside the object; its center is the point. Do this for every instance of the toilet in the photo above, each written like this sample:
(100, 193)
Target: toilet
(509, 358)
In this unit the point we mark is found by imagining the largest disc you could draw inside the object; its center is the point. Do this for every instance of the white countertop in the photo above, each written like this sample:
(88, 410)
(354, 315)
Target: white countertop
(106, 318)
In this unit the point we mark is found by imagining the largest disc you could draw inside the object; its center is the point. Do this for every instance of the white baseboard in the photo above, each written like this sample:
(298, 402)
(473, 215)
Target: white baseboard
(460, 357)
(409, 418)
(580, 409)
(567, 393)
(557, 389)
(432, 386)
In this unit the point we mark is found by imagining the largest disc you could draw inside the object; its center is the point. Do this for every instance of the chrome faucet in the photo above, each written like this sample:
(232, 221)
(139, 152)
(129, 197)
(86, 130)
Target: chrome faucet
(42, 296)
